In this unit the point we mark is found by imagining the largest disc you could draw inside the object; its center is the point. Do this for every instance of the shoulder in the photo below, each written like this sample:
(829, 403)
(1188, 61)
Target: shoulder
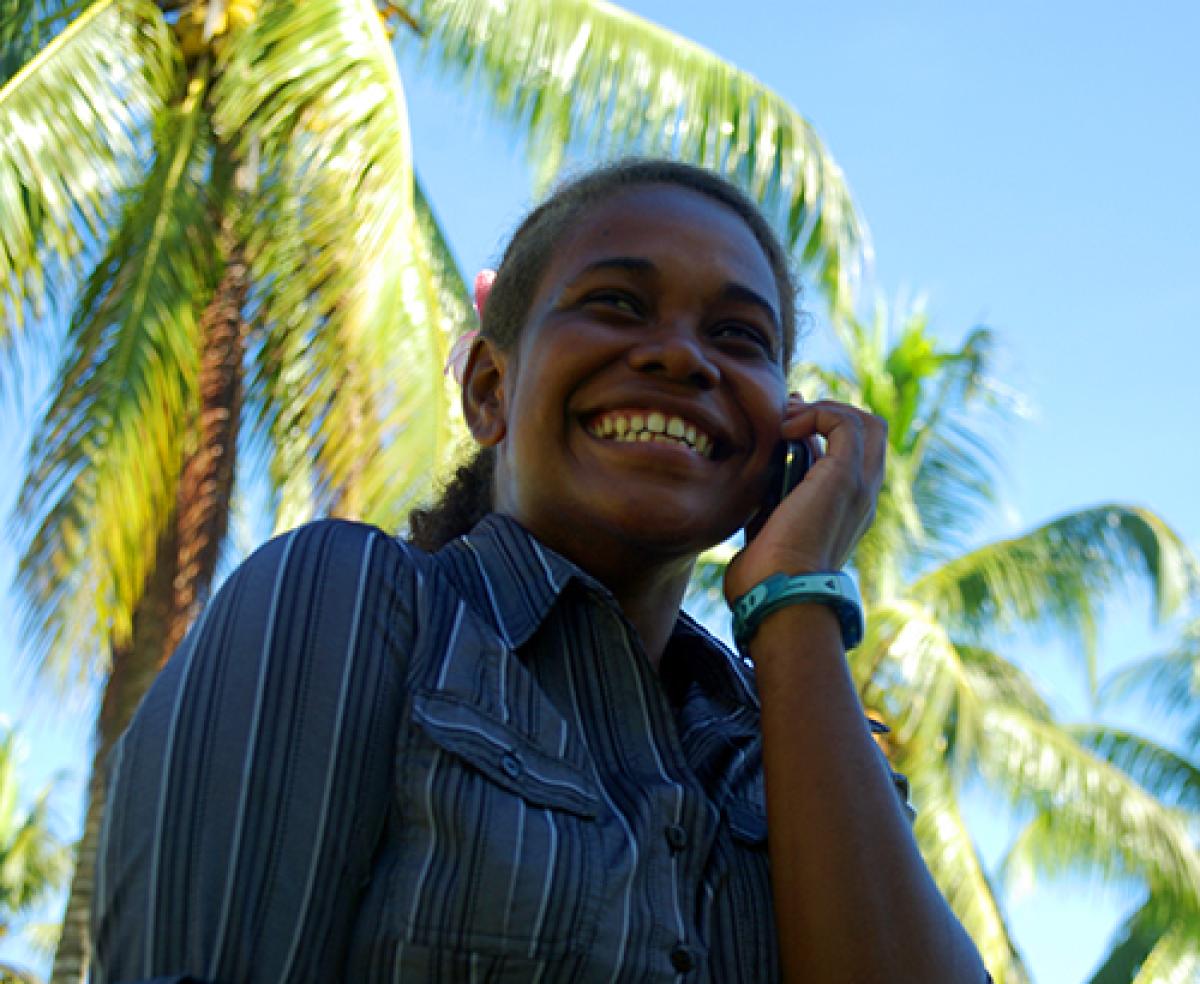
(331, 561)
(331, 547)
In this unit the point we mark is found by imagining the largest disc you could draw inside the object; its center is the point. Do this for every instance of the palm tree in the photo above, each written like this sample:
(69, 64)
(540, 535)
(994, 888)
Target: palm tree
(940, 611)
(1160, 941)
(212, 226)
(33, 861)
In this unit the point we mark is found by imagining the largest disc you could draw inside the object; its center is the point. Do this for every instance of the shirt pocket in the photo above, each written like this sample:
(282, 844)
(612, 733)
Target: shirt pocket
(502, 852)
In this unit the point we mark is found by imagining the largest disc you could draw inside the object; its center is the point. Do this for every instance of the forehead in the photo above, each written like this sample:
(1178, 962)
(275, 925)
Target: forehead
(665, 223)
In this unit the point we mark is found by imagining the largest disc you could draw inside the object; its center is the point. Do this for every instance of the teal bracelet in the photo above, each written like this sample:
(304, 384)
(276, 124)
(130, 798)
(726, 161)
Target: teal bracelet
(832, 588)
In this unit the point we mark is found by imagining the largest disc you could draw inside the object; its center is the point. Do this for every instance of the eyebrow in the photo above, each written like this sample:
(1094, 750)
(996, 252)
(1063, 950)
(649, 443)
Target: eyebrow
(639, 264)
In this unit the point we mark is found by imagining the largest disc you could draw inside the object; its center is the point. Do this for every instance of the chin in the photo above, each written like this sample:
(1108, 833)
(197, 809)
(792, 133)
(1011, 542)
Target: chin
(666, 530)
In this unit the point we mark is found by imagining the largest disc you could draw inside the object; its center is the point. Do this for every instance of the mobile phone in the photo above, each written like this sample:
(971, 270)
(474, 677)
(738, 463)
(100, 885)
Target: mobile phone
(792, 460)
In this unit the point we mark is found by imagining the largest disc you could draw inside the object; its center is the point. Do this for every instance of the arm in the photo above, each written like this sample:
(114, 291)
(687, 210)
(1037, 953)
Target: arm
(248, 794)
(854, 901)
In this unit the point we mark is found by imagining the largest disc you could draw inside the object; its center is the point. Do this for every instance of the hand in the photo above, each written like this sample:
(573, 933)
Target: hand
(818, 524)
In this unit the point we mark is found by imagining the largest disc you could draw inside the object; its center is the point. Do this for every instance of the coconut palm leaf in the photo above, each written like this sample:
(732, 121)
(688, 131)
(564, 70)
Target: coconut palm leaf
(1155, 946)
(910, 671)
(103, 464)
(1132, 944)
(1090, 815)
(26, 26)
(1055, 575)
(364, 320)
(940, 405)
(584, 74)
(995, 679)
(954, 862)
(1169, 681)
(1167, 774)
(1175, 958)
(72, 125)
(33, 860)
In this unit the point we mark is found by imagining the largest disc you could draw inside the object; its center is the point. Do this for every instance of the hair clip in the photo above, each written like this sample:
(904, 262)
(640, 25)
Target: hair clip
(456, 362)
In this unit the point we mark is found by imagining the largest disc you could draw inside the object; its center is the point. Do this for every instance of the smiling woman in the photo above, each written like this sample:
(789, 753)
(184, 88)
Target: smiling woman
(500, 751)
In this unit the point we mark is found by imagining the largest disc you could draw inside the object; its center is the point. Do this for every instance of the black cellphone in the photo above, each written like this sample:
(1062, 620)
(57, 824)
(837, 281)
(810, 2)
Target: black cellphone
(792, 460)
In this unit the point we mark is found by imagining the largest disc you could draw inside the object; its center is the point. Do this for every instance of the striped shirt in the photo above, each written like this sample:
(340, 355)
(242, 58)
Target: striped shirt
(367, 763)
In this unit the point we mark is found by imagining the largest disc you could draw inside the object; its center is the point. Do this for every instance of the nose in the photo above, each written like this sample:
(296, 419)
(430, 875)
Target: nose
(674, 352)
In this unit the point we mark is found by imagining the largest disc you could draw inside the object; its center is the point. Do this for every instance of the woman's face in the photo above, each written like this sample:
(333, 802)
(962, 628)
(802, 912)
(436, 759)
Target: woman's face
(645, 396)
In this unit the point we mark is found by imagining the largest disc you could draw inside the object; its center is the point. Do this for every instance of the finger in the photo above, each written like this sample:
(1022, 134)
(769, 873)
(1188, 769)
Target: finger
(843, 427)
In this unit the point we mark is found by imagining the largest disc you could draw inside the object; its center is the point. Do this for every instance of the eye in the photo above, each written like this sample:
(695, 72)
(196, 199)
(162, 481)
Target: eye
(617, 300)
(742, 333)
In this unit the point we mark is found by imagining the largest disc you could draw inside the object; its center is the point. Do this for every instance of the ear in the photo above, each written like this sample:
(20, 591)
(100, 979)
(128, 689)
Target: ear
(484, 402)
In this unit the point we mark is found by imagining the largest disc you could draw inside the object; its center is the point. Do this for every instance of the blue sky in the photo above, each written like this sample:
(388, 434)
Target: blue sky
(1030, 166)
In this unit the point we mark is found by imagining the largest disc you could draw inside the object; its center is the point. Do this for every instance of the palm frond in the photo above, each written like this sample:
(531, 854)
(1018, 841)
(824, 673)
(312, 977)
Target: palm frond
(357, 295)
(104, 463)
(1168, 775)
(954, 862)
(910, 670)
(1130, 947)
(1169, 681)
(72, 126)
(34, 861)
(1056, 575)
(584, 73)
(1090, 816)
(1175, 958)
(996, 680)
(26, 26)
(941, 406)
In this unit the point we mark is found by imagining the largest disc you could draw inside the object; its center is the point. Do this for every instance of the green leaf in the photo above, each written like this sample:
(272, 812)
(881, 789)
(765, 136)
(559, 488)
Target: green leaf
(106, 458)
(588, 75)
(1168, 775)
(1134, 941)
(954, 862)
(1169, 681)
(72, 121)
(1055, 575)
(358, 299)
(1089, 814)
(1175, 958)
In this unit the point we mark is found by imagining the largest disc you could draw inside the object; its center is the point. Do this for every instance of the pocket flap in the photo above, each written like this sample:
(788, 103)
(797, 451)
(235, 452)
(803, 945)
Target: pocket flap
(507, 757)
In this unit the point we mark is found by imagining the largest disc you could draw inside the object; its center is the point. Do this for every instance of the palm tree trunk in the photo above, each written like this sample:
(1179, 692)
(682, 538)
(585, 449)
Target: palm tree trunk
(184, 564)
(206, 483)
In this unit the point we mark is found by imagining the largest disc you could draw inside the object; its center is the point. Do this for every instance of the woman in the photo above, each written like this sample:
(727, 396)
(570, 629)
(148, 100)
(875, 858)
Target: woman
(500, 751)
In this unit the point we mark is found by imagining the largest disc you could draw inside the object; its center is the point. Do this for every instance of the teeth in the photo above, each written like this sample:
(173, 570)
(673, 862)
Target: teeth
(652, 425)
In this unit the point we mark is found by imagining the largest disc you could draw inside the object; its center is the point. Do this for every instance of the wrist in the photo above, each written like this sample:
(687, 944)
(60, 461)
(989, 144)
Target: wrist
(834, 590)
(805, 627)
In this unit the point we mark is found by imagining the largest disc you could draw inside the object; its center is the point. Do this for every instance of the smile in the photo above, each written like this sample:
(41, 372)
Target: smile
(650, 425)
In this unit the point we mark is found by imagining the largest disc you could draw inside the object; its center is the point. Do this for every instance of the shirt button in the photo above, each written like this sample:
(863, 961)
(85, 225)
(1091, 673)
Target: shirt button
(677, 837)
(682, 959)
(511, 765)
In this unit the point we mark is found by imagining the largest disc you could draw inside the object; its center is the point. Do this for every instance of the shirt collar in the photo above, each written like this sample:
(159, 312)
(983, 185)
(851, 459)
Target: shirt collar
(521, 580)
